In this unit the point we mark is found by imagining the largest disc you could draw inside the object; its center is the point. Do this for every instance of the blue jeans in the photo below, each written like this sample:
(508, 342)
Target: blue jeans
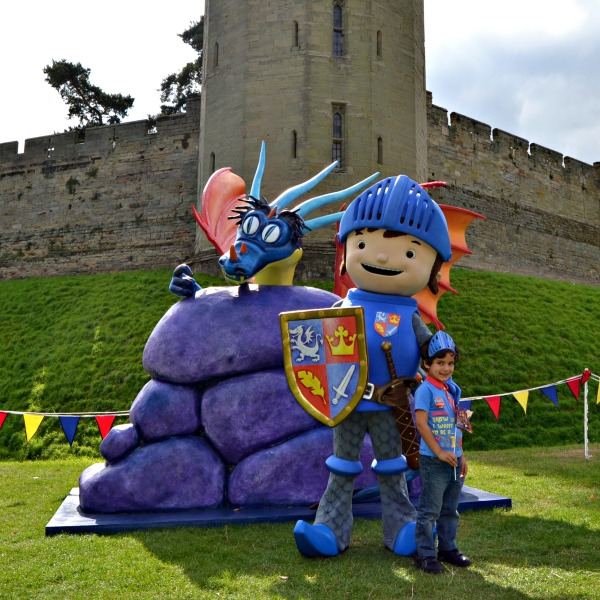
(437, 505)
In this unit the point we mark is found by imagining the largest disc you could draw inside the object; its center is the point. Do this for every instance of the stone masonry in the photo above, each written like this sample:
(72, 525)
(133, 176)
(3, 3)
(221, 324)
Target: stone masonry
(120, 200)
(116, 199)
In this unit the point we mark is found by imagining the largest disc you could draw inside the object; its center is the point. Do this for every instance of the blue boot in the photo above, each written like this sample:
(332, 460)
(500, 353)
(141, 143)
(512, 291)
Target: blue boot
(405, 544)
(315, 540)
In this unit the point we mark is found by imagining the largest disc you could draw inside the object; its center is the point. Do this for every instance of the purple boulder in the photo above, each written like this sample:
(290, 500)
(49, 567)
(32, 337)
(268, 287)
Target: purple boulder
(225, 331)
(266, 413)
(162, 410)
(176, 474)
(119, 441)
(293, 473)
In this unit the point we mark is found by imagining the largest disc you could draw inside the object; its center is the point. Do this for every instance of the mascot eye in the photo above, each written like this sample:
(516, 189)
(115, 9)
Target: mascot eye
(271, 233)
(361, 245)
(411, 254)
(250, 225)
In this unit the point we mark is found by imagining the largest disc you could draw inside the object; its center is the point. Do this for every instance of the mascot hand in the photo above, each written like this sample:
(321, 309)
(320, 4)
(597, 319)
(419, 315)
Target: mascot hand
(183, 283)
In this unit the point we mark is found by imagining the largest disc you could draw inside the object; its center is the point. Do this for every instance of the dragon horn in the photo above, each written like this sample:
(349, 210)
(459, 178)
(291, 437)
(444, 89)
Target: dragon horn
(319, 222)
(287, 197)
(433, 184)
(314, 203)
(260, 169)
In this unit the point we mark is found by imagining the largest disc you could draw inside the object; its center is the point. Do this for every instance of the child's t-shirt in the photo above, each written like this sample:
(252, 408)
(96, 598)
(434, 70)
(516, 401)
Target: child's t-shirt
(434, 397)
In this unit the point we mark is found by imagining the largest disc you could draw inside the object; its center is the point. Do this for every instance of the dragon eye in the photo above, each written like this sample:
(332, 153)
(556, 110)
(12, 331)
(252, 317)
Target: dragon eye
(410, 254)
(271, 233)
(250, 225)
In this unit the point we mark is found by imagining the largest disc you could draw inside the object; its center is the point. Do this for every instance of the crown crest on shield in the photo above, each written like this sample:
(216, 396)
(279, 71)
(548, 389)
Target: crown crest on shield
(342, 348)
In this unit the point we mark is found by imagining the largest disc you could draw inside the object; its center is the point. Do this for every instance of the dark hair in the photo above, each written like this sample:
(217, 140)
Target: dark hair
(440, 354)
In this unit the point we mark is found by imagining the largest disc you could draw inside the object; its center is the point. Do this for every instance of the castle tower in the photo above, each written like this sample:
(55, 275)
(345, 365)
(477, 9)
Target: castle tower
(318, 81)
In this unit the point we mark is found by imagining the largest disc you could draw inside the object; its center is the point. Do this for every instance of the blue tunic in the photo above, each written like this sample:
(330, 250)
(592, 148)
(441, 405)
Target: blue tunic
(388, 318)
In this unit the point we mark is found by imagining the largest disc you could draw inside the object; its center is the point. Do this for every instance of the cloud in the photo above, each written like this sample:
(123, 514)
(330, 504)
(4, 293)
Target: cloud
(529, 68)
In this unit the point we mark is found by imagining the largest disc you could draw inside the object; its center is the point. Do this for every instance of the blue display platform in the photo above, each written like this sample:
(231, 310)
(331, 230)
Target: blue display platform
(70, 519)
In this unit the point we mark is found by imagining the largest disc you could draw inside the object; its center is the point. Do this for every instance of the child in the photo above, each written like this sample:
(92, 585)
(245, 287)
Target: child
(441, 459)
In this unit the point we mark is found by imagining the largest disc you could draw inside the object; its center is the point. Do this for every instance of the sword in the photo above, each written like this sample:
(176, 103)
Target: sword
(402, 413)
(341, 389)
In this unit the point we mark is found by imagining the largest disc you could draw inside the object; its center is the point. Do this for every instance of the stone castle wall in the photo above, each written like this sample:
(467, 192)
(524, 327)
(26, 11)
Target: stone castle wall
(116, 199)
(543, 210)
(120, 200)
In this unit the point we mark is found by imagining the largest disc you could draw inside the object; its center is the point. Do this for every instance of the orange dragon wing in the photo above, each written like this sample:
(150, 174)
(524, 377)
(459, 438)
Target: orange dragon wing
(458, 220)
(221, 194)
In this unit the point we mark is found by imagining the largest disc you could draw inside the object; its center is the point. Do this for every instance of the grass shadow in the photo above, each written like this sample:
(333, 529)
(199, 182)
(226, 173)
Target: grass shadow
(263, 560)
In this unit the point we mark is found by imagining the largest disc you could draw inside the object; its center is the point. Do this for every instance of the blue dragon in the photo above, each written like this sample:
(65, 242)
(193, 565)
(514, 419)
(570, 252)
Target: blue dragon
(268, 241)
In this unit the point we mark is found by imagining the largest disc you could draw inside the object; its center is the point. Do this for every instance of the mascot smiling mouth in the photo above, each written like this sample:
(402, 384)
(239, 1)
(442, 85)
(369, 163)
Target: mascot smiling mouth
(380, 270)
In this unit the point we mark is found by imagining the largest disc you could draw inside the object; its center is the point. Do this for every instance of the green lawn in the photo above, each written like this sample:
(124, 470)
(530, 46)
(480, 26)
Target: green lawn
(546, 547)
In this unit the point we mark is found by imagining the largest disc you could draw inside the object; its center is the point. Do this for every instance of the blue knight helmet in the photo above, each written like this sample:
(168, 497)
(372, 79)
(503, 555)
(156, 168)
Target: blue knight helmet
(439, 342)
(399, 204)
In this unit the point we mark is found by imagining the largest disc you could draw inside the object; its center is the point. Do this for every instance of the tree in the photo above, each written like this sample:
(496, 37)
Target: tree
(86, 102)
(176, 88)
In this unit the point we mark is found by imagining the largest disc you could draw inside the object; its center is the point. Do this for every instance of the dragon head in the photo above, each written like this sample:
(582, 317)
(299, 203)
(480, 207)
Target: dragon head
(269, 235)
(263, 237)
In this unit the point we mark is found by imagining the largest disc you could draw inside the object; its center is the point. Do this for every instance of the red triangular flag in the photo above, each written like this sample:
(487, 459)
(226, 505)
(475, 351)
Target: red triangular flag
(104, 424)
(494, 404)
(586, 375)
(2, 417)
(574, 386)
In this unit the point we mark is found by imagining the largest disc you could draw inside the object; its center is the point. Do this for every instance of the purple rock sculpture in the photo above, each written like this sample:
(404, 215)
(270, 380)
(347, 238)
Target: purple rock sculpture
(176, 474)
(217, 414)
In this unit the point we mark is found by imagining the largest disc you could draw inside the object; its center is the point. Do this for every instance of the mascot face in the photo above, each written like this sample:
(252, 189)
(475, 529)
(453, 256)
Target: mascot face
(388, 263)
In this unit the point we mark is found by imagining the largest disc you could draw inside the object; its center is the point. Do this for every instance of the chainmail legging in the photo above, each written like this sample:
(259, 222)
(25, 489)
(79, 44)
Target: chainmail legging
(335, 507)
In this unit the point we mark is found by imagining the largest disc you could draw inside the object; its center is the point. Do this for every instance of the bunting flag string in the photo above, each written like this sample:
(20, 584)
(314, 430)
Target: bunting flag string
(549, 390)
(68, 421)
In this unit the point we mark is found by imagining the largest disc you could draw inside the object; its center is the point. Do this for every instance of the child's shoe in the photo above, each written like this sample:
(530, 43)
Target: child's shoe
(429, 564)
(454, 557)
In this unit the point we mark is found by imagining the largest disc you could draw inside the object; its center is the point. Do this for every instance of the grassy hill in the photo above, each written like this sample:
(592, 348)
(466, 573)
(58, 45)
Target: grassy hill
(74, 344)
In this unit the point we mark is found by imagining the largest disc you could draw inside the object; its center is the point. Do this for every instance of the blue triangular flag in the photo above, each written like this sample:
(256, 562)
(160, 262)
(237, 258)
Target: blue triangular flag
(550, 392)
(466, 404)
(69, 425)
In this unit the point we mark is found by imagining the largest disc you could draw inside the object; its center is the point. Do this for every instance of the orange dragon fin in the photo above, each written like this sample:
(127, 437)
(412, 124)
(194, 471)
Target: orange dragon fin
(458, 220)
(221, 194)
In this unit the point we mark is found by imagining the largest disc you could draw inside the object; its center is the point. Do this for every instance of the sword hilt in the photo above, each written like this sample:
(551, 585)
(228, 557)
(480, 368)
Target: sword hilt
(387, 348)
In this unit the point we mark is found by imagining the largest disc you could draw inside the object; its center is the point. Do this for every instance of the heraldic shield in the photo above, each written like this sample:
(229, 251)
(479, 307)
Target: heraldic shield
(325, 359)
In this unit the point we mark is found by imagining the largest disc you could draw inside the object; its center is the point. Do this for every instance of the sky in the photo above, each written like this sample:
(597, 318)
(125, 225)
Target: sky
(528, 67)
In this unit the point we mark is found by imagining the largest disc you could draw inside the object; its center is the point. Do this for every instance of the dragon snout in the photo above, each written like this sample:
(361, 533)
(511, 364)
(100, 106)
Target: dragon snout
(235, 265)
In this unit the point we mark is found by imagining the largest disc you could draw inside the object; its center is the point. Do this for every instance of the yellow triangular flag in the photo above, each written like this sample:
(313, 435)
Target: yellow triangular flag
(32, 423)
(598, 398)
(522, 398)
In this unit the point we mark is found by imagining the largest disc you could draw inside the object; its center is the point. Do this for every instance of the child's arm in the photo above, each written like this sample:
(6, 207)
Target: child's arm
(428, 437)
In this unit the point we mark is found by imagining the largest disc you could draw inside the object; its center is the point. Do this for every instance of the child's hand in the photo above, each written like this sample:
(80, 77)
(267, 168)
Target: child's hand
(448, 457)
